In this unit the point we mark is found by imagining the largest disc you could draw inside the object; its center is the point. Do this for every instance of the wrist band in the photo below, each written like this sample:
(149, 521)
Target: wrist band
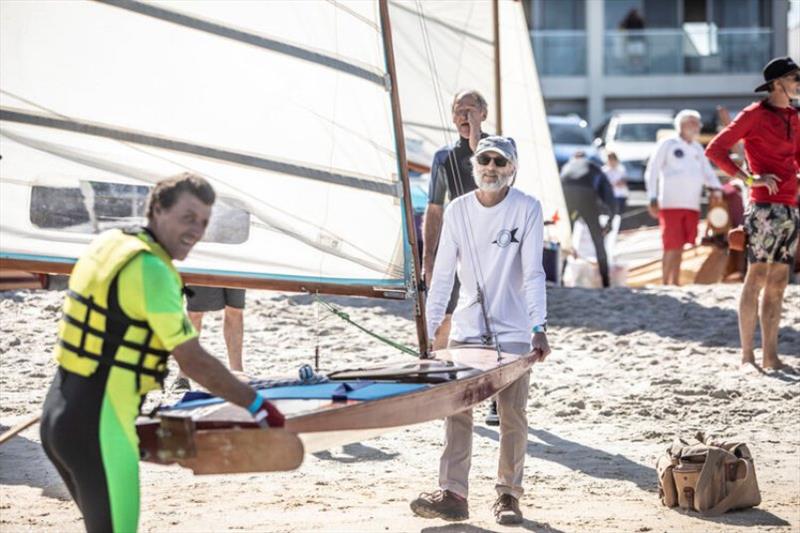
(256, 405)
(541, 328)
(750, 179)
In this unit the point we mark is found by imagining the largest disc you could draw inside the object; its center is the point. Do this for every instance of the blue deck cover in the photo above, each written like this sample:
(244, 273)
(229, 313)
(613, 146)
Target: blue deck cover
(334, 390)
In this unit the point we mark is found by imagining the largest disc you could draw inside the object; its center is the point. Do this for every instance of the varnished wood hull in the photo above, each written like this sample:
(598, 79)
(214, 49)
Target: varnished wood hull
(475, 375)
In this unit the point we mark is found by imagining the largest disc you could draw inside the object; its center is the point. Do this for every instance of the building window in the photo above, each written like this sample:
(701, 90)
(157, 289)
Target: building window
(559, 36)
(741, 13)
(649, 37)
(558, 15)
(641, 14)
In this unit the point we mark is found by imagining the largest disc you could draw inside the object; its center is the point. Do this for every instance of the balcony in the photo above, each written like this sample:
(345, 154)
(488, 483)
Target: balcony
(694, 49)
(560, 52)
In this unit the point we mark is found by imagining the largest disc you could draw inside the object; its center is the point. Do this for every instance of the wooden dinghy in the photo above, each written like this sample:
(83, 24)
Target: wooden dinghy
(210, 436)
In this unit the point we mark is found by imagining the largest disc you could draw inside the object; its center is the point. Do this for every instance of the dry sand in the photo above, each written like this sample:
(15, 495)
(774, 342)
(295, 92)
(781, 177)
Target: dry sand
(630, 369)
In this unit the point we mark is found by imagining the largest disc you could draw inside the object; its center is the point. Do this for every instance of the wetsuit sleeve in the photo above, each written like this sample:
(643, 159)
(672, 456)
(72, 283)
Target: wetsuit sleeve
(653, 170)
(533, 275)
(437, 190)
(605, 190)
(444, 270)
(149, 291)
(718, 150)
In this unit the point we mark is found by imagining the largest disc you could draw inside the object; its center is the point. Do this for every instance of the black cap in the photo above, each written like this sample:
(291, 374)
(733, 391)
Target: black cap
(776, 68)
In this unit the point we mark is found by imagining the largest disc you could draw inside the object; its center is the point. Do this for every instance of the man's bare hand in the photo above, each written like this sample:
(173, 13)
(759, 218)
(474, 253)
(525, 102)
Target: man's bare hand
(427, 273)
(653, 209)
(770, 181)
(474, 119)
(539, 346)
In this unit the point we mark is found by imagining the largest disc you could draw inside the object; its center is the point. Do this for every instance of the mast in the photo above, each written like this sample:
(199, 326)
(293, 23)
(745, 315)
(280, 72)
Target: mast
(498, 98)
(400, 143)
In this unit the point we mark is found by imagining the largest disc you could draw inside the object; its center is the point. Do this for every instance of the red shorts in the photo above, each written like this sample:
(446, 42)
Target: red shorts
(678, 227)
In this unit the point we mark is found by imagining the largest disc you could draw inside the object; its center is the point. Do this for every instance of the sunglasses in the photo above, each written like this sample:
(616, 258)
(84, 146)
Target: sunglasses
(499, 162)
(794, 77)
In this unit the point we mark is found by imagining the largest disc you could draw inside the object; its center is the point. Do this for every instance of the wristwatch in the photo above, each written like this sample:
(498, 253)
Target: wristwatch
(540, 328)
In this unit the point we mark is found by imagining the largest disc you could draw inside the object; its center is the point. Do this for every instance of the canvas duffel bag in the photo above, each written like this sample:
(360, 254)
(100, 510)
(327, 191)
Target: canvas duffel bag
(709, 476)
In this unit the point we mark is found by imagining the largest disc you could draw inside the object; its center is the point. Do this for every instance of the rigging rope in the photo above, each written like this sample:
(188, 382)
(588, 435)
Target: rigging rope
(472, 252)
(346, 317)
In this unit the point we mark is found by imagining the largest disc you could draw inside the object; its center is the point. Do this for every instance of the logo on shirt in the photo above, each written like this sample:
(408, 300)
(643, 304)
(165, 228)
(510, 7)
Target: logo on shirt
(678, 152)
(505, 237)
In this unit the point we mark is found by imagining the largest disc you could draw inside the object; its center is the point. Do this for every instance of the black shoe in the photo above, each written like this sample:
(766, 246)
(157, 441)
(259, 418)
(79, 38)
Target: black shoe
(493, 419)
(506, 510)
(441, 504)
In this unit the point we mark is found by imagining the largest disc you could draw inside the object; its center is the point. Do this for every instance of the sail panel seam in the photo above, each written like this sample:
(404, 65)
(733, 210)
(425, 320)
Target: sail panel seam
(252, 39)
(220, 154)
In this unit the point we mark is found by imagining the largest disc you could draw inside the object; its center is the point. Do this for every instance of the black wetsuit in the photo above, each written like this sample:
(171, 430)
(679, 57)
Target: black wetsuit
(584, 183)
(451, 176)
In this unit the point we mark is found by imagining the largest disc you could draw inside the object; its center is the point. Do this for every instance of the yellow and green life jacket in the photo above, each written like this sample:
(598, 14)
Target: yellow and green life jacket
(94, 329)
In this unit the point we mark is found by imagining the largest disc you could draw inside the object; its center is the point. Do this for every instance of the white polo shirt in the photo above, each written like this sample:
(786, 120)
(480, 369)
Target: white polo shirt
(677, 172)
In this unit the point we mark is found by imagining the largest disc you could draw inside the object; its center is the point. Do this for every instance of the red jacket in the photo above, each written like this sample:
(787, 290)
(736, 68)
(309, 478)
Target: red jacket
(771, 145)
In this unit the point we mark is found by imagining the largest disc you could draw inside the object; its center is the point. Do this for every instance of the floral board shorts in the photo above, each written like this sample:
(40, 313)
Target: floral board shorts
(772, 231)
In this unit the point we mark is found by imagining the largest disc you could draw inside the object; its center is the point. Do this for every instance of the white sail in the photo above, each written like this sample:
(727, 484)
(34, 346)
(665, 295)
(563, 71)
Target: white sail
(525, 120)
(282, 105)
(447, 46)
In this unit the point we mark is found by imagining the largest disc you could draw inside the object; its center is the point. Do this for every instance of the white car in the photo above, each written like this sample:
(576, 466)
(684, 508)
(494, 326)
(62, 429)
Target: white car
(633, 135)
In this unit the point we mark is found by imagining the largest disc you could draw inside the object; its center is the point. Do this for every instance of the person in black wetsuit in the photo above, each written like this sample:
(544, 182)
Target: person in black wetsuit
(584, 183)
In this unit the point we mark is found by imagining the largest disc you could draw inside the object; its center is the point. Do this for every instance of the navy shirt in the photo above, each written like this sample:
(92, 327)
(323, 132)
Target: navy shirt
(451, 172)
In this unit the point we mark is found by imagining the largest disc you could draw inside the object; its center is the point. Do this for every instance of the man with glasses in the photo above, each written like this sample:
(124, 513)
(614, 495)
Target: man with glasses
(770, 130)
(493, 238)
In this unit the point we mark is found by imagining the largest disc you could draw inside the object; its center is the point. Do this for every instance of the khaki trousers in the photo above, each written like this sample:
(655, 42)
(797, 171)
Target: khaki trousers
(457, 455)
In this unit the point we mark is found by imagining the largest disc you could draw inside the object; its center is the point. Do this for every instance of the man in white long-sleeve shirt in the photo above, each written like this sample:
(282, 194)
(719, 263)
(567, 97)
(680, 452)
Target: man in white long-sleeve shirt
(675, 177)
(493, 238)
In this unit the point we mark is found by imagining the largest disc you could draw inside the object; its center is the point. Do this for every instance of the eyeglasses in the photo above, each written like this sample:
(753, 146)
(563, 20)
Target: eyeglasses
(499, 162)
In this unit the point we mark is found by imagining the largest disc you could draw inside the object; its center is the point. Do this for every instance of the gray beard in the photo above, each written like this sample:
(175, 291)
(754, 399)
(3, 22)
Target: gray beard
(492, 187)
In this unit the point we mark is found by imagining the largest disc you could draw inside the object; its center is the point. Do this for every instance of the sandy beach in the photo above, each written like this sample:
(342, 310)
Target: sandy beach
(630, 369)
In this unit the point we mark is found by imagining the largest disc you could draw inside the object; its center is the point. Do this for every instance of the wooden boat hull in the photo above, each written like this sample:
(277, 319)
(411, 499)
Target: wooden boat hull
(459, 379)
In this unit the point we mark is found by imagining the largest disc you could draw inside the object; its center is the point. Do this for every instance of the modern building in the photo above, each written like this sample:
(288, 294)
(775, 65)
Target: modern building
(597, 56)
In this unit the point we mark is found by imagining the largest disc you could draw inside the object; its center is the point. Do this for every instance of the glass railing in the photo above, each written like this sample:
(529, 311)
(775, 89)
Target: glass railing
(695, 49)
(560, 52)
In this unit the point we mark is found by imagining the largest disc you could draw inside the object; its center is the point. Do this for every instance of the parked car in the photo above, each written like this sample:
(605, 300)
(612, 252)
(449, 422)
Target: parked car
(569, 134)
(633, 135)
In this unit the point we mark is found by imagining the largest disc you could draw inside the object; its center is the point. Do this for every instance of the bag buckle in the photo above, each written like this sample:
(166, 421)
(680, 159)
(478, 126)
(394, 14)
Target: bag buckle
(732, 471)
(688, 493)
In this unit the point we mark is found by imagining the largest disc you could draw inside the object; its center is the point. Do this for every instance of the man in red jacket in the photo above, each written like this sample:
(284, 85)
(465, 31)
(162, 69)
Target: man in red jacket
(770, 130)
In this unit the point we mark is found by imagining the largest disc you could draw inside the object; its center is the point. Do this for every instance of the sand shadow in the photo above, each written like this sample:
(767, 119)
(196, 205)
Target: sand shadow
(456, 528)
(753, 517)
(527, 525)
(356, 453)
(23, 462)
(689, 321)
(584, 459)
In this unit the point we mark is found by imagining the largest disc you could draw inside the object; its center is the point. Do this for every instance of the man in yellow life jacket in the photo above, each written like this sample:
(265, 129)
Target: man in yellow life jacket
(123, 315)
